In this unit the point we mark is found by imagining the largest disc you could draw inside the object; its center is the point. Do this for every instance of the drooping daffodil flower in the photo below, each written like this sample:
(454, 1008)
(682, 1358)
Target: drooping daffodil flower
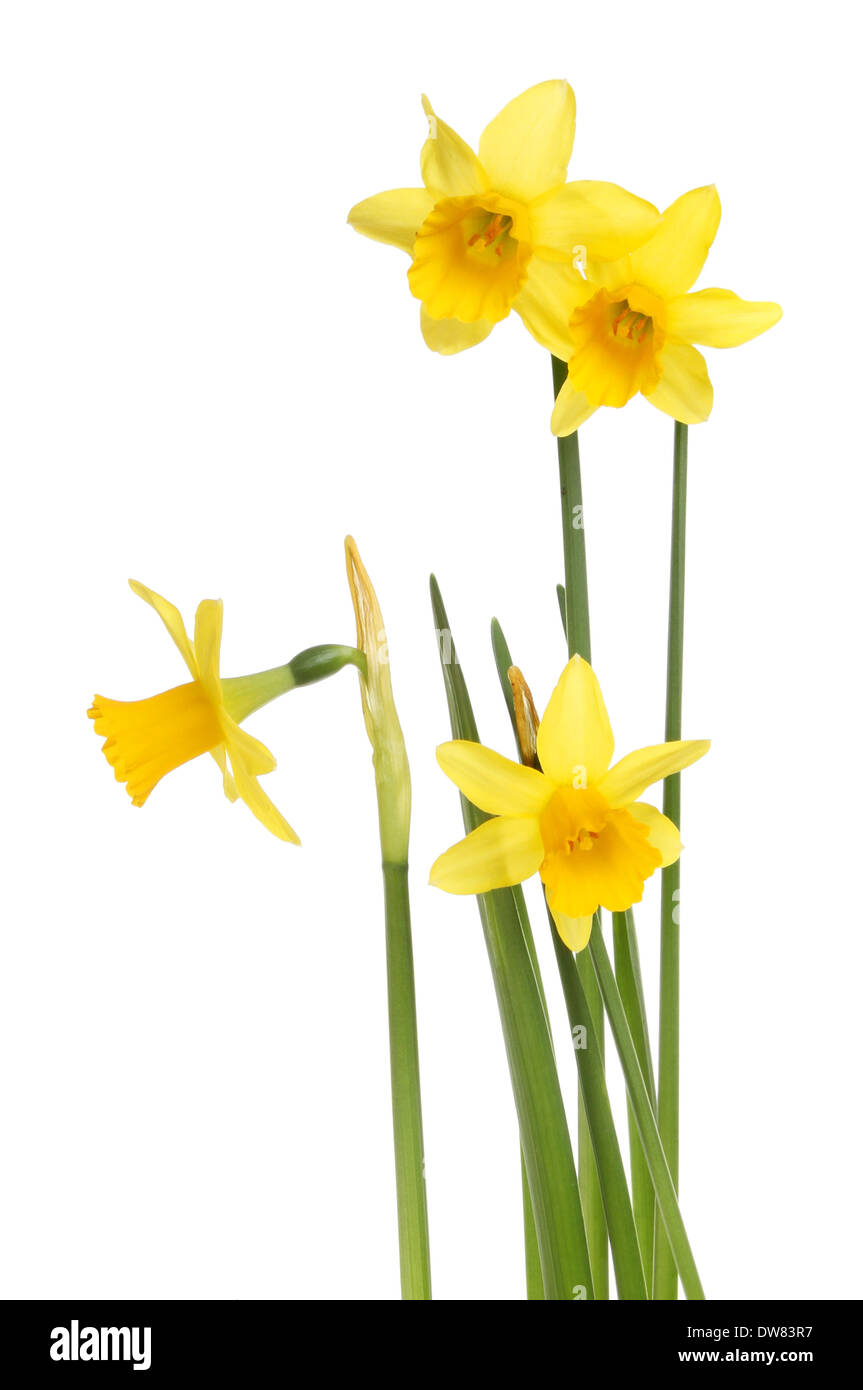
(576, 819)
(502, 230)
(145, 739)
(632, 323)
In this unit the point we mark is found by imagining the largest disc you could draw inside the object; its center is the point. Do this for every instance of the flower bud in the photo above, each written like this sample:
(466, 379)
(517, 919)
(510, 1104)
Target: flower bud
(389, 756)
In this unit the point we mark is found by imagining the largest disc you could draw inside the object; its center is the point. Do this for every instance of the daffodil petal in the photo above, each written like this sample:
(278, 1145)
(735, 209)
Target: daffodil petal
(208, 641)
(228, 783)
(259, 803)
(545, 302)
(670, 262)
(609, 275)
(685, 390)
(718, 318)
(242, 747)
(574, 740)
(526, 148)
(625, 782)
(574, 932)
(449, 166)
(663, 834)
(172, 619)
(393, 217)
(602, 218)
(448, 336)
(571, 409)
(499, 853)
(493, 783)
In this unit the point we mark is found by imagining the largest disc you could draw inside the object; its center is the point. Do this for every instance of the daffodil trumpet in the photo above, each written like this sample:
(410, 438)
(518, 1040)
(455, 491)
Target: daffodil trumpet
(393, 789)
(146, 739)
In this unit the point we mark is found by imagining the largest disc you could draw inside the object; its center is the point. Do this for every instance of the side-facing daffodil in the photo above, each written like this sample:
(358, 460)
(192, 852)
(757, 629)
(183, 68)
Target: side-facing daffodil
(145, 739)
(633, 323)
(497, 231)
(576, 819)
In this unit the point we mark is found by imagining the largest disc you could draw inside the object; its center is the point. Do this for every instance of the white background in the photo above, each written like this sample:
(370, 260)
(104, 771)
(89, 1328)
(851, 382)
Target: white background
(207, 380)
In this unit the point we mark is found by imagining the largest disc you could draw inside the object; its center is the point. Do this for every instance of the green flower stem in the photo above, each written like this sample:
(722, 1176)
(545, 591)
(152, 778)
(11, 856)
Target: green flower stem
(663, 1184)
(622, 1233)
(572, 516)
(245, 694)
(627, 969)
(404, 1071)
(578, 640)
(664, 1273)
(545, 1143)
(594, 1209)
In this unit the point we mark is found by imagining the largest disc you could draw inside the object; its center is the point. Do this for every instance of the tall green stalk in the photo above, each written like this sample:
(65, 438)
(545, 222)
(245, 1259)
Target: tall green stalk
(665, 1273)
(663, 1186)
(572, 516)
(577, 616)
(545, 1143)
(404, 1071)
(627, 970)
(625, 1248)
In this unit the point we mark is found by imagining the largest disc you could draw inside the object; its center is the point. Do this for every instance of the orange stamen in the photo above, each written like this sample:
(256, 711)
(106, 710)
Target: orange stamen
(634, 324)
(490, 234)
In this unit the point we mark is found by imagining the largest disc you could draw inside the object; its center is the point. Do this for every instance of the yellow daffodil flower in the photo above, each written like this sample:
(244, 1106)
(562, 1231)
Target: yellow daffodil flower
(145, 739)
(633, 322)
(577, 821)
(499, 231)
